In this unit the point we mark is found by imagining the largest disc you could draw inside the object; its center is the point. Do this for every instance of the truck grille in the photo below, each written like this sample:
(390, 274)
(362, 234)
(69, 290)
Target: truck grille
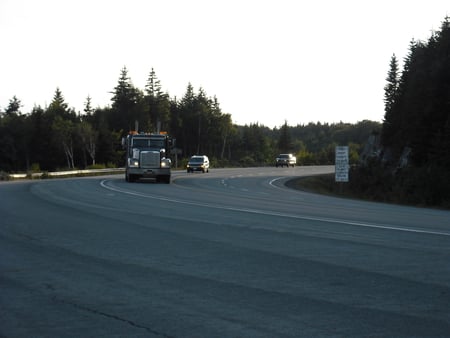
(150, 159)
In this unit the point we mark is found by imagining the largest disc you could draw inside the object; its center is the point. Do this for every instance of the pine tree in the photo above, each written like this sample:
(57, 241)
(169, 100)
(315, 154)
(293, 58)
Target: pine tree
(13, 107)
(187, 114)
(391, 87)
(127, 106)
(124, 91)
(87, 106)
(59, 107)
(284, 141)
(158, 103)
(391, 121)
(13, 137)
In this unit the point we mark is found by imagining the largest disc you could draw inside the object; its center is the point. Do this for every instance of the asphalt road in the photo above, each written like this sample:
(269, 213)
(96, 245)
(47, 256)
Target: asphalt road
(230, 253)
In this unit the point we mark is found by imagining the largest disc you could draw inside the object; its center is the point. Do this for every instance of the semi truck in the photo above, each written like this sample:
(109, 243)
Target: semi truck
(147, 156)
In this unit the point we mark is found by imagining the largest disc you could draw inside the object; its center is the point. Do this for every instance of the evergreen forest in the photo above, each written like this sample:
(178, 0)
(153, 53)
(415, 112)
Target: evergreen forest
(410, 160)
(58, 138)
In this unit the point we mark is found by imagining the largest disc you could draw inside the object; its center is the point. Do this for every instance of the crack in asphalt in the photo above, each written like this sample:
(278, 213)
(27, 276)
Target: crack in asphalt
(111, 316)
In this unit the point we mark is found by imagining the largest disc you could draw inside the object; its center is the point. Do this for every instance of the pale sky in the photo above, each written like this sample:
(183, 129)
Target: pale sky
(266, 61)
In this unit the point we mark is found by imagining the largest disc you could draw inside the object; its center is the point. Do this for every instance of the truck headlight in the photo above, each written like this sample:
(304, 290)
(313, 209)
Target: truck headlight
(165, 163)
(133, 162)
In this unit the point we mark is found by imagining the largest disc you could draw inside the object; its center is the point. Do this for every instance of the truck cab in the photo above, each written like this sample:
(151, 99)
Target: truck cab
(147, 156)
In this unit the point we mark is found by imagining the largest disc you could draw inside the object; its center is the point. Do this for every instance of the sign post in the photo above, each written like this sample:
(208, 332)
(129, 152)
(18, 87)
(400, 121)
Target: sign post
(341, 164)
(176, 151)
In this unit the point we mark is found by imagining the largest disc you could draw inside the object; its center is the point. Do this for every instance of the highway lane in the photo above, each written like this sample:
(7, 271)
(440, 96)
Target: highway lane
(229, 253)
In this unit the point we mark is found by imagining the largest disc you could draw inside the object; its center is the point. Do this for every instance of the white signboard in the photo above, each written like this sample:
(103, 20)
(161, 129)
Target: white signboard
(341, 164)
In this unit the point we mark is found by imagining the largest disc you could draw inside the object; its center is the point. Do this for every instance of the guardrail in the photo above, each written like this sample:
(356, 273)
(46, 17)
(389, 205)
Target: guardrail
(85, 172)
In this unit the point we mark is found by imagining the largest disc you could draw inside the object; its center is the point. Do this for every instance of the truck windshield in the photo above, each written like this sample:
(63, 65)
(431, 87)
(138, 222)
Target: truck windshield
(148, 143)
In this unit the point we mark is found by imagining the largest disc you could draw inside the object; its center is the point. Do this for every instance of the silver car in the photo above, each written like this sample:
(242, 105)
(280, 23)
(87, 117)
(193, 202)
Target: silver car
(287, 160)
(198, 163)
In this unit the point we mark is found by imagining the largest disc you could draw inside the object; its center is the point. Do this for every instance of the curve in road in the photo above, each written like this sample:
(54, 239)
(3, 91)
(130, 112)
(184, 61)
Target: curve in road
(229, 253)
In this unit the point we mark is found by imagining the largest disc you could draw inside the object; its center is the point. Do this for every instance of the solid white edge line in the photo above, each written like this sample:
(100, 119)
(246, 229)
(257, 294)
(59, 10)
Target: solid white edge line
(272, 213)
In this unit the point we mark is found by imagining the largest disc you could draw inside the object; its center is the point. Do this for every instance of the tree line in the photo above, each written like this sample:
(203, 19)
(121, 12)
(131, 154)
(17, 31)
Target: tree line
(57, 137)
(412, 163)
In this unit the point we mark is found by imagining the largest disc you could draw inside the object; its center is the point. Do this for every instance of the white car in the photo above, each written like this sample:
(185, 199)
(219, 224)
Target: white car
(198, 163)
(287, 160)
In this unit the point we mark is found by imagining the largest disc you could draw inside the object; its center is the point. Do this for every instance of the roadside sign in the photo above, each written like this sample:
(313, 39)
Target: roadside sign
(341, 164)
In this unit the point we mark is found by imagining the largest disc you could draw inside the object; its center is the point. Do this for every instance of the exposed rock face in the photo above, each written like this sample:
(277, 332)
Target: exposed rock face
(404, 157)
(374, 150)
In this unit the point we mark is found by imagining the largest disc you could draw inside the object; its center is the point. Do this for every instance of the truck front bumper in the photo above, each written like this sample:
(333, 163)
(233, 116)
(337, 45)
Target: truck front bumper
(148, 172)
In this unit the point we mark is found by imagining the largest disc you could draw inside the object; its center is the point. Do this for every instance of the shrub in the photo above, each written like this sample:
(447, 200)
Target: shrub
(96, 166)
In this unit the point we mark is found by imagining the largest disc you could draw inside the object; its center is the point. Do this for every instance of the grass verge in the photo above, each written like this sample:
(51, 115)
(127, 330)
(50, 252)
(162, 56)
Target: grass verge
(321, 184)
